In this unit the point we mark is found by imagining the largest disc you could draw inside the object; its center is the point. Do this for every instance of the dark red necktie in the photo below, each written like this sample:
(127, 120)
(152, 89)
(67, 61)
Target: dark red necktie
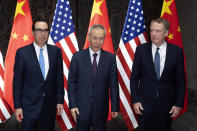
(94, 62)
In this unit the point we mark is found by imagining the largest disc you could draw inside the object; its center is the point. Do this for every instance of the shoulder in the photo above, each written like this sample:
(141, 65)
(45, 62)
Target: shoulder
(25, 48)
(107, 54)
(174, 47)
(144, 46)
(53, 47)
(80, 53)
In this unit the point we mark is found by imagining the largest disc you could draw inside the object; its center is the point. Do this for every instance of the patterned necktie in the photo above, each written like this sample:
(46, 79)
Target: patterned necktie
(41, 62)
(157, 63)
(94, 62)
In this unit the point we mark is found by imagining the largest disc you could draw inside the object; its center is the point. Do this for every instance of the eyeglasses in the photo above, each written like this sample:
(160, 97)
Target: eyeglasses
(96, 38)
(42, 31)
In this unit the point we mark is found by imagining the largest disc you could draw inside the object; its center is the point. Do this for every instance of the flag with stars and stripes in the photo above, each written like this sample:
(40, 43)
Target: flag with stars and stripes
(5, 111)
(62, 35)
(133, 34)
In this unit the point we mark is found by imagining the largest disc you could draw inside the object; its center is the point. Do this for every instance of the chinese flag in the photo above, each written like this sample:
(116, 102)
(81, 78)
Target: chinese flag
(169, 13)
(21, 35)
(100, 16)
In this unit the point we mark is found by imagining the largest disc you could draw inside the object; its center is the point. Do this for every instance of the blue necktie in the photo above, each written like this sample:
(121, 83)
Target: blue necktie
(41, 62)
(157, 67)
(157, 63)
(94, 62)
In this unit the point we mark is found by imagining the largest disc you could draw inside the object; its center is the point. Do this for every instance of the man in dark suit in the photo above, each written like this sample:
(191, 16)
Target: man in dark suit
(89, 85)
(38, 88)
(158, 80)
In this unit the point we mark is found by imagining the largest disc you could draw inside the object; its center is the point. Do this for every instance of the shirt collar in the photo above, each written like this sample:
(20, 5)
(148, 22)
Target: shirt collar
(38, 48)
(92, 52)
(161, 47)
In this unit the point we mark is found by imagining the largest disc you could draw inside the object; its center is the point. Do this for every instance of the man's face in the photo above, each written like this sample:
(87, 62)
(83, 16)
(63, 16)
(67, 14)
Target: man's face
(158, 33)
(96, 39)
(41, 33)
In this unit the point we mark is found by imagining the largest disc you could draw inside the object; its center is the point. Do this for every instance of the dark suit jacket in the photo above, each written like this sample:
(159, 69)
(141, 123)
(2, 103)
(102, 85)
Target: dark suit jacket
(90, 92)
(144, 82)
(30, 91)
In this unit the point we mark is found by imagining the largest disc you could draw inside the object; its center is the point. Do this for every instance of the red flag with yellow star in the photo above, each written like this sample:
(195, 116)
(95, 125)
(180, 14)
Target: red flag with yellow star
(100, 16)
(169, 13)
(21, 35)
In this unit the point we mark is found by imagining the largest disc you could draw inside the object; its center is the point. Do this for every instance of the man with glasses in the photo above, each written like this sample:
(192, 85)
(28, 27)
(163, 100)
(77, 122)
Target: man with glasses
(92, 75)
(38, 88)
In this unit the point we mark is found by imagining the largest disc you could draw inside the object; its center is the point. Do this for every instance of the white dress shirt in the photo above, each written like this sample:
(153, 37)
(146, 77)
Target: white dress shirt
(162, 53)
(45, 55)
(97, 57)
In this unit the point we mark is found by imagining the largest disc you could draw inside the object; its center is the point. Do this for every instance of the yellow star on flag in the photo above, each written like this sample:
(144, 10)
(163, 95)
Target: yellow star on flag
(109, 30)
(19, 9)
(96, 8)
(165, 8)
(179, 29)
(15, 36)
(170, 36)
(25, 37)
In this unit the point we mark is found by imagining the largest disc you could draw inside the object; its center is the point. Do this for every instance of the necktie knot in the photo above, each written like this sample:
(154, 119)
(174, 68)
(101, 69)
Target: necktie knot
(95, 55)
(158, 49)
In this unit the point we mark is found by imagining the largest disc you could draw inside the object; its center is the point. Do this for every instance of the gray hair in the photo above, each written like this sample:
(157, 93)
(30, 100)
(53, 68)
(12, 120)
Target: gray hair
(162, 21)
(96, 26)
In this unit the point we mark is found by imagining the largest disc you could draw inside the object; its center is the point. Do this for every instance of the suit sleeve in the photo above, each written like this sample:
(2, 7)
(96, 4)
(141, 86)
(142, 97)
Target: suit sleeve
(135, 77)
(180, 80)
(60, 81)
(114, 89)
(72, 82)
(18, 79)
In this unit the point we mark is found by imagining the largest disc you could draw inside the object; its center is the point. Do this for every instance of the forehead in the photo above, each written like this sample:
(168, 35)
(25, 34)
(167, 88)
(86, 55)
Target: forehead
(41, 24)
(97, 32)
(156, 25)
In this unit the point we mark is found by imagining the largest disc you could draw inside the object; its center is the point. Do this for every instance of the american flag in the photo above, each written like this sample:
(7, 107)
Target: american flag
(5, 111)
(133, 34)
(62, 35)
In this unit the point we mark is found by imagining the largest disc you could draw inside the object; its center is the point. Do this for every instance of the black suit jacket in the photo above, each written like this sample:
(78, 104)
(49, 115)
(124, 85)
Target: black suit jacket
(144, 82)
(90, 92)
(30, 91)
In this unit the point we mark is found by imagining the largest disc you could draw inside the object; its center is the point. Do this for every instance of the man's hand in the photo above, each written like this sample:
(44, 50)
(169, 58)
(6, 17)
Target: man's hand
(59, 109)
(74, 112)
(114, 114)
(19, 114)
(137, 107)
(175, 111)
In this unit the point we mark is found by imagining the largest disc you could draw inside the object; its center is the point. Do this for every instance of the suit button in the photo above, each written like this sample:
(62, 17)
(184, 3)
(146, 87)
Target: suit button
(44, 94)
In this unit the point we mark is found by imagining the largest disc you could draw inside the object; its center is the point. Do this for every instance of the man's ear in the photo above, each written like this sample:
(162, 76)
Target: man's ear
(33, 32)
(166, 34)
(89, 38)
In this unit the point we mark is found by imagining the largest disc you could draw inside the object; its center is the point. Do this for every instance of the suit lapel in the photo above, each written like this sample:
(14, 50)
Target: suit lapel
(168, 56)
(101, 61)
(88, 61)
(50, 57)
(150, 57)
(35, 61)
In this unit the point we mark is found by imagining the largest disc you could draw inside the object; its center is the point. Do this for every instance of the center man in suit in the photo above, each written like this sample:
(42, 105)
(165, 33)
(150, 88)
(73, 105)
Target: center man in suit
(158, 80)
(38, 88)
(92, 74)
